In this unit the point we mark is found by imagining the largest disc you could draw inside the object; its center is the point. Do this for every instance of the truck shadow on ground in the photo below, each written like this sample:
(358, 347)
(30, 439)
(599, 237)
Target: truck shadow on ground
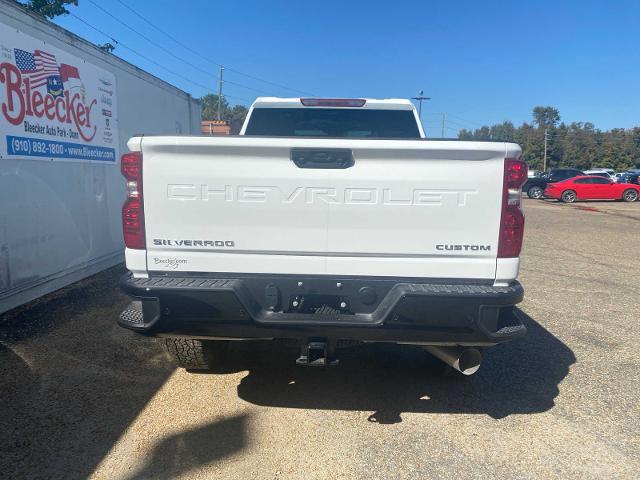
(188, 450)
(519, 377)
(72, 381)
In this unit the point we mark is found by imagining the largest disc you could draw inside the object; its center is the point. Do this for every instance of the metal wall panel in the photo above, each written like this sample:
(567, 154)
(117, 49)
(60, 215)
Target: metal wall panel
(60, 219)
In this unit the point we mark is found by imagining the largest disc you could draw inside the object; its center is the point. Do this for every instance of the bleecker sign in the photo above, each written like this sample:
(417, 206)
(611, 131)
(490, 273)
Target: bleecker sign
(54, 105)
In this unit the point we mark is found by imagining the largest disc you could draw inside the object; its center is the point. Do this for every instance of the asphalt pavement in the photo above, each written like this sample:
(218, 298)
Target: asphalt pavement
(80, 397)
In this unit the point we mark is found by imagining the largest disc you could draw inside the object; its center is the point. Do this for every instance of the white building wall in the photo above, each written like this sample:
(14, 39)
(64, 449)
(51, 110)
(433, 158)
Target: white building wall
(60, 220)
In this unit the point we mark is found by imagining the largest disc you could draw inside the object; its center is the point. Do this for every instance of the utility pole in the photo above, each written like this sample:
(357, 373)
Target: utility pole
(220, 94)
(420, 98)
(544, 168)
(442, 126)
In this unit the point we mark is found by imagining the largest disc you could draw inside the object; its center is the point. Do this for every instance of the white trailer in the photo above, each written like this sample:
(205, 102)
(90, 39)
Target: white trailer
(66, 111)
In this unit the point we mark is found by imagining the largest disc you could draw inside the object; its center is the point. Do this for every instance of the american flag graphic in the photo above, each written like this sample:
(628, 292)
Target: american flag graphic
(37, 66)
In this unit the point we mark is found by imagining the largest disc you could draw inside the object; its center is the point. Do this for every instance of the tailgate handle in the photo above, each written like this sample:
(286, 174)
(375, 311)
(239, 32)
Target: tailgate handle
(322, 158)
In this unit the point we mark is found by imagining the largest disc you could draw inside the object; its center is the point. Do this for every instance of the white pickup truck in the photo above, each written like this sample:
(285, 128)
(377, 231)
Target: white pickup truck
(329, 222)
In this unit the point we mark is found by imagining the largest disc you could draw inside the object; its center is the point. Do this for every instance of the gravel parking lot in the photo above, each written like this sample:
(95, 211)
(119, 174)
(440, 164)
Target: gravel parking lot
(81, 397)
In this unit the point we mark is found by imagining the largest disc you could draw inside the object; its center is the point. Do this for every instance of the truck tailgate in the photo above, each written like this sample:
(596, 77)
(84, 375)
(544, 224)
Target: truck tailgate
(406, 208)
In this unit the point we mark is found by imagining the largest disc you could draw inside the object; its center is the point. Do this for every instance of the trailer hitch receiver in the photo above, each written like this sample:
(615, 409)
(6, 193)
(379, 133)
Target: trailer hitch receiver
(316, 354)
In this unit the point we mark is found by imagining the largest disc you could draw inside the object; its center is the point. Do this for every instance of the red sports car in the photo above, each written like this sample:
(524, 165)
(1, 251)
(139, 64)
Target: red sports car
(592, 188)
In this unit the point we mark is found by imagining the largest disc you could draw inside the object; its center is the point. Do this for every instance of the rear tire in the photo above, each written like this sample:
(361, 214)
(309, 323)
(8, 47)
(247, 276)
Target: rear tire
(196, 354)
(568, 196)
(630, 195)
(535, 192)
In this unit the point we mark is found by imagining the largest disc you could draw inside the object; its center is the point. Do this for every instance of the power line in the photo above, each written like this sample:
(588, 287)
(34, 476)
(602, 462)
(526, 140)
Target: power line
(244, 86)
(580, 133)
(456, 123)
(464, 120)
(448, 115)
(157, 45)
(206, 88)
(148, 39)
(604, 136)
(220, 93)
(178, 42)
(546, 147)
(419, 99)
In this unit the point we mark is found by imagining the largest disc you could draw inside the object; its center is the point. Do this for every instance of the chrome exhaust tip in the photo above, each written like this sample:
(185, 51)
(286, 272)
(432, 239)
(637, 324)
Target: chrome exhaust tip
(466, 360)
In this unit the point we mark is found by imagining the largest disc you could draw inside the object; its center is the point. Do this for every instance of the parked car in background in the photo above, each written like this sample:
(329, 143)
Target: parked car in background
(601, 172)
(610, 171)
(535, 186)
(591, 188)
(629, 177)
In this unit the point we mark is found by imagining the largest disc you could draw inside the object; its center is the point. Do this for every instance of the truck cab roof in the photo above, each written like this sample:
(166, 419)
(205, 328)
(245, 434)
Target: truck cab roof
(355, 103)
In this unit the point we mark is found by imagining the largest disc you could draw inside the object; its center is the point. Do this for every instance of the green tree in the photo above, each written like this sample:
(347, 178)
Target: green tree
(504, 131)
(465, 134)
(532, 142)
(482, 133)
(235, 115)
(210, 107)
(546, 117)
(49, 8)
(578, 144)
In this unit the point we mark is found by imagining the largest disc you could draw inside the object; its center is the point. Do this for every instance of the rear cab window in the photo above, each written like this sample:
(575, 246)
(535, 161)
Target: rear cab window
(333, 123)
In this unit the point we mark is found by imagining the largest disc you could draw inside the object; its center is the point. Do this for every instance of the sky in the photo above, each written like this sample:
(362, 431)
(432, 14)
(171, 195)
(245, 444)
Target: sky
(481, 62)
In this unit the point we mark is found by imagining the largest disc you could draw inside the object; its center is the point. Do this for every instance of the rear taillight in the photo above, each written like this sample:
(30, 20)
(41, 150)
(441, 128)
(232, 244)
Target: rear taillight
(512, 219)
(133, 210)
(333, 102)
